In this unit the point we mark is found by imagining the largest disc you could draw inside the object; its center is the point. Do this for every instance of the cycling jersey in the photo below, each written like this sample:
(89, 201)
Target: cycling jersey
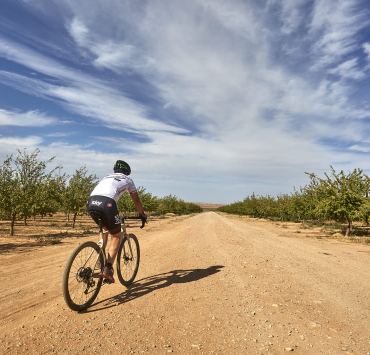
(113, 186)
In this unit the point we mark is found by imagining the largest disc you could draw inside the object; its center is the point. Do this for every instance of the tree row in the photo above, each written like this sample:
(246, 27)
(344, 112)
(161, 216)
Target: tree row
(28, 188)
(339, 196)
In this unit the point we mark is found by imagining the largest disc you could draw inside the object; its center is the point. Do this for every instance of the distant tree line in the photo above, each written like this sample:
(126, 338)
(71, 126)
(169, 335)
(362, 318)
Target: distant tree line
(28, 188)
(336, 196)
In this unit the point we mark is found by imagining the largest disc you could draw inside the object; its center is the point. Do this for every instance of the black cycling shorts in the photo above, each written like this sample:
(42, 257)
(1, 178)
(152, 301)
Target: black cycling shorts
(105, 208)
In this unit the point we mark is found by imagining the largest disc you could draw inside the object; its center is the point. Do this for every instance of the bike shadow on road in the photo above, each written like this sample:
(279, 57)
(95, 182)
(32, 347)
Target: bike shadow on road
(156, 282)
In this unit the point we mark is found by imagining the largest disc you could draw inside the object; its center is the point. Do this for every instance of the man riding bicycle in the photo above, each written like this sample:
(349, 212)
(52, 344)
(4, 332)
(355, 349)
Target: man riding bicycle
(102, 205)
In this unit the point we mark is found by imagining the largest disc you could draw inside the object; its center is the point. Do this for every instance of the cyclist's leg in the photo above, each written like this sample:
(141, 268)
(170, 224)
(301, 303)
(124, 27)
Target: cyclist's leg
(113, 247)
(113, 224)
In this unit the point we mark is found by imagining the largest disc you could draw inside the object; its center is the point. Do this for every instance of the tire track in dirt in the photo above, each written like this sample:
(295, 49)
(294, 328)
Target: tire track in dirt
(210, 283)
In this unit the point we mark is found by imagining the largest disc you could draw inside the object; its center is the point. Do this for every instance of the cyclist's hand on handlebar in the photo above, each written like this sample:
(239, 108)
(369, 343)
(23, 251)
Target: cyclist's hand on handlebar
(144, 219)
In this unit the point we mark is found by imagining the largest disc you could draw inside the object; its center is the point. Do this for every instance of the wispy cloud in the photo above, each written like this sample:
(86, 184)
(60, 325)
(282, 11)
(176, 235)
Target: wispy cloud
(366, 48)
(104, 53)
(229, 103)
(80, 92)
(335, 25)
(363, 148)
(33, 60)
(10, 144)
(349, 70)
(78, 31)
(292, 14)
(25, 119)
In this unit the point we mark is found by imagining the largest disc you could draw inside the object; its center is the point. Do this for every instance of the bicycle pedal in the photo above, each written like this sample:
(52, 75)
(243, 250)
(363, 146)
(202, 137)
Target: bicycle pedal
(107, 282)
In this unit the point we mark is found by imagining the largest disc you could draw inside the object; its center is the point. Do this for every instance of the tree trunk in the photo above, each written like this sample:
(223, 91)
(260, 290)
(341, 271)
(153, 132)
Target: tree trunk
(25, 220)
(367, 216)
(74, 219)
(12, 225)
(349, 228)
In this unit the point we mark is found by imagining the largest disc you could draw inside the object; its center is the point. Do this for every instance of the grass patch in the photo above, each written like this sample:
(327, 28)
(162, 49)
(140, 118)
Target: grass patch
(88, 231)
(48, 241)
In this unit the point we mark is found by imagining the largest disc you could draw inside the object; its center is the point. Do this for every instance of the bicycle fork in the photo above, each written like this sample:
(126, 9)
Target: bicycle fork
(130, 254)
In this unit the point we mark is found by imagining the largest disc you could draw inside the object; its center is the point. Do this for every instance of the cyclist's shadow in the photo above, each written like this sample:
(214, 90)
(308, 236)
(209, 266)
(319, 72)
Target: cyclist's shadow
(156, 282)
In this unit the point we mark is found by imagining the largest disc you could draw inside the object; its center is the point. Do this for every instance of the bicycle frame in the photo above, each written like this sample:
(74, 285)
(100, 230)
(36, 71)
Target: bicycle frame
(103, 241)
(91, 259)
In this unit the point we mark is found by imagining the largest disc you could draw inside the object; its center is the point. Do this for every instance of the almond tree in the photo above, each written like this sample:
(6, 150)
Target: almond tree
(149, 202)
(30, 175)
(340, 196)
(125, 204)
(77, 192)
(20, 182)
(10, 193)
(50, 195)
(365, 208)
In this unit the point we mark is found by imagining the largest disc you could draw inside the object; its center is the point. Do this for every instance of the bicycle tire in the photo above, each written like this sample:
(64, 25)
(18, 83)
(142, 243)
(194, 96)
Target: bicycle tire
(83, 274)
(123, 261)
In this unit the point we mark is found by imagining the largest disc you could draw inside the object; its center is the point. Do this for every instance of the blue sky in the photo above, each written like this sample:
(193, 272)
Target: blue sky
(208, 100)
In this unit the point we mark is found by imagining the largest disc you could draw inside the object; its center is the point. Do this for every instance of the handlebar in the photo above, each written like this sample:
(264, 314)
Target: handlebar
(143, 220)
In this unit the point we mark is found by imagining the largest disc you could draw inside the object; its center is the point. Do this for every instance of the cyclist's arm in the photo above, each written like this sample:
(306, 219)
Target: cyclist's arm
(139, 207)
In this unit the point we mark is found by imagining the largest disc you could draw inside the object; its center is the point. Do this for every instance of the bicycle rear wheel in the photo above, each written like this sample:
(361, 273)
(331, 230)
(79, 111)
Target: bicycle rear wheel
(81, 280)
(128, 259)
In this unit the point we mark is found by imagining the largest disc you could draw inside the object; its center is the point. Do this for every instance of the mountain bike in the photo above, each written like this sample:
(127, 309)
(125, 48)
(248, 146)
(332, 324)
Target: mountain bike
(82, 278)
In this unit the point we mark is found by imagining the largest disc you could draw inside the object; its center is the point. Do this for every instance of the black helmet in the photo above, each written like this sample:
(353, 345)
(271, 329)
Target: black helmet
(122, 167)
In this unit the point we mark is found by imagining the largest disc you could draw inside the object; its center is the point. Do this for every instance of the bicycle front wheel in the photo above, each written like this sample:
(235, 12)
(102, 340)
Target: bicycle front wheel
(128, 259)
(81, 280)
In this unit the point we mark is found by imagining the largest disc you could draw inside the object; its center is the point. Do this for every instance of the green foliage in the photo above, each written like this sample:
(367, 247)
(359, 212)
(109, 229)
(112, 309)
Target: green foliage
(340, 196)
(171, 204)
(149, 202)
(77, 192)
(30, 175)
(22, 182)
(50, 195)
(125, 204)
(10, 192)
(364, 211)
(28, 189)
(337, 196)
(157, 205)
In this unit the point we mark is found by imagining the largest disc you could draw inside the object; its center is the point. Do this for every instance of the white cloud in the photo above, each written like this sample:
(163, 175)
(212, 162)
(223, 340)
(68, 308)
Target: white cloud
(105, 53)
(292, 14)
(349, 70)
(9, 145)
(114, 56)
(78, 31)
(363, 148)
(82, 93)
(25, 119)
(366, 48)
(258, 123)
(38, 62)
(336, 24)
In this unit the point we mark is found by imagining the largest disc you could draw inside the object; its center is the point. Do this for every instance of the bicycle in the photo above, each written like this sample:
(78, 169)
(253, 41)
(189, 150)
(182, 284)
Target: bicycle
(85, 265)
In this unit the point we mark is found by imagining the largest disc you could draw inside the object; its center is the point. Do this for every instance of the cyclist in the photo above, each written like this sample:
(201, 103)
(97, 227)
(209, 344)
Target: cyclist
(103, 203)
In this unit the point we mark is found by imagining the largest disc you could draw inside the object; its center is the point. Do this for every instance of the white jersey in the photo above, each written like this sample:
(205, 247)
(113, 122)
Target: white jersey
(114, 186)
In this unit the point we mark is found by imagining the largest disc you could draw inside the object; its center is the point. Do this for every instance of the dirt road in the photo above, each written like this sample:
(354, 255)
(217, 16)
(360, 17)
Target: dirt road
(208, 284)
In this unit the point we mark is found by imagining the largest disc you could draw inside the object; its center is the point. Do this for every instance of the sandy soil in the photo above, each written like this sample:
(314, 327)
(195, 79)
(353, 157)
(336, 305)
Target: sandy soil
(209, 283)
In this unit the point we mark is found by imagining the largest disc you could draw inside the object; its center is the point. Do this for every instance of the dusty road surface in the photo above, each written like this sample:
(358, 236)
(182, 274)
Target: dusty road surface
(208, 284)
